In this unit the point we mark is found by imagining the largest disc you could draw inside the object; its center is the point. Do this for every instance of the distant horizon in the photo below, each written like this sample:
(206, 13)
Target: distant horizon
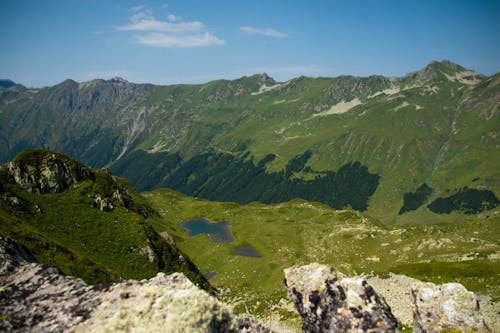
(236, 78)
(194, 41)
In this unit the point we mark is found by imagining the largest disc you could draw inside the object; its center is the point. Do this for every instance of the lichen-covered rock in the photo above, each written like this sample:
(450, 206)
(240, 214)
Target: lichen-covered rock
(102, 203)
(37, 298)
(41, 171)
(149, 251)
(449, 306)
(329, 303)
(12, 256)
(161, 304)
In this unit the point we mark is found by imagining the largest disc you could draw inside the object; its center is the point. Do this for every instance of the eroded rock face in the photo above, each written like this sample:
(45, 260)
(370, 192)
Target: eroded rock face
(37, 298)
(330, 303)
(46, 173)
(446, 307)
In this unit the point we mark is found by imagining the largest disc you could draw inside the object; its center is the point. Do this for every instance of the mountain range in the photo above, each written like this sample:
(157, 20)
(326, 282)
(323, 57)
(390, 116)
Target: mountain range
(413, 147)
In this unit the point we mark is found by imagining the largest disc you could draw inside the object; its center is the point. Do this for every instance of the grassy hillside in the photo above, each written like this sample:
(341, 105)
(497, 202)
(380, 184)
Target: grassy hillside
(84, 221)
(438, 126)
(453, 247)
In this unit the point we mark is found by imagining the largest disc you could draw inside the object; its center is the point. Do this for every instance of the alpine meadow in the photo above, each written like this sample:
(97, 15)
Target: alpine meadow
(297, 199)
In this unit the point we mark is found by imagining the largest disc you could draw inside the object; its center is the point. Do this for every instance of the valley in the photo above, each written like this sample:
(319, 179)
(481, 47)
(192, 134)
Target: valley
(255, 139)
(457, 248)
(231, 182)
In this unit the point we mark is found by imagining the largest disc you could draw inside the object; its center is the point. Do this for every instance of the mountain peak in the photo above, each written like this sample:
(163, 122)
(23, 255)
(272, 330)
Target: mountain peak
(443, 71)
(6, 83)
(446, 66)
(262, 78)
(118, 79)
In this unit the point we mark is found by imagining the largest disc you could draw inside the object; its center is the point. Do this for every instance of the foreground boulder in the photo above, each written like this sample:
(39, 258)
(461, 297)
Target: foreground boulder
(446, 307)
(37, 298)
(329, 303)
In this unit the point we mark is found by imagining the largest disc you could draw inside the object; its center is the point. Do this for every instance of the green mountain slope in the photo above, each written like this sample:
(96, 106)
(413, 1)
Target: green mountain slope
(85, 221)
(437, 126)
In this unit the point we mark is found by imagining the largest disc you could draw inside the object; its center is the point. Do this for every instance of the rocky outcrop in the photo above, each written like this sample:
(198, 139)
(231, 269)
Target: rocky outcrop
(37, 298)
(43, 171)
(328, 302)
(397, 291)
(447, 307)
(102, 203)
(46, 172)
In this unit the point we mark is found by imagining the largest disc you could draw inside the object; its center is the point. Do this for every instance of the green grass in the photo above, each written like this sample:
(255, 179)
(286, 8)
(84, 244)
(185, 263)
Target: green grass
(479, 275)
(440, 137)
(300, 232)
(67, 230)
(110, 240)
(436, 131)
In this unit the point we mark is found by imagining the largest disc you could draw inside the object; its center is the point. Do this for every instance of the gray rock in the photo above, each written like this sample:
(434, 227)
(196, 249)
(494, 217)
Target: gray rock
(46, 174)
(102, 203)
(329, 303)
(449, 306)
(37, 298)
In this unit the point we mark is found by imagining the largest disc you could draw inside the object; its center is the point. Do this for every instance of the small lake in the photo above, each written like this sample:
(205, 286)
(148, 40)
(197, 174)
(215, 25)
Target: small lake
(210, 275)
(219, 231)
(246, 251)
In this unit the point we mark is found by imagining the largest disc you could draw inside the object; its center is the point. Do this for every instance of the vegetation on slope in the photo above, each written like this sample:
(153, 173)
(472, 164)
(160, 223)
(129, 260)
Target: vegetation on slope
(460, 248)
(437, 126)
(413, 200)
(85, 221)
(224, 177)
(466, 200)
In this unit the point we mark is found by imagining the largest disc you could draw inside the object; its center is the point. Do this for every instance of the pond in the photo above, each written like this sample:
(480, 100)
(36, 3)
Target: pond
(246, 251)
(210, 275)
(219, 231)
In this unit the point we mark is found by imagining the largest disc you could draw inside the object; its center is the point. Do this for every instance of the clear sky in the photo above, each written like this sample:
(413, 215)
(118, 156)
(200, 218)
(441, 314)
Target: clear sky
(188, 41)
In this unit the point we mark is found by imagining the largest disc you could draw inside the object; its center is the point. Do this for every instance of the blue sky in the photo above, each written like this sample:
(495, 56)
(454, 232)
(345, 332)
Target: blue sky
(164, 42)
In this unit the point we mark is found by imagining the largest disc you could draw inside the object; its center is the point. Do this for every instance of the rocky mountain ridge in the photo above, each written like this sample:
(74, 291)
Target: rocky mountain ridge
(437, 126)
(38, 297)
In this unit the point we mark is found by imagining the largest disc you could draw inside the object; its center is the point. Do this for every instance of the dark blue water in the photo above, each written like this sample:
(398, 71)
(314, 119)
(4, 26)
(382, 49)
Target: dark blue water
(219, 231)
(246, 251)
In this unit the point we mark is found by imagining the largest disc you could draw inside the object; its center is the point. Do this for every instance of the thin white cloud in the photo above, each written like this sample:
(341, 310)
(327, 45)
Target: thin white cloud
(171, 32)
(144, 21)
(173, 18)
(268, 32)
(182, 41)
(154, 25)
(137, 8)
